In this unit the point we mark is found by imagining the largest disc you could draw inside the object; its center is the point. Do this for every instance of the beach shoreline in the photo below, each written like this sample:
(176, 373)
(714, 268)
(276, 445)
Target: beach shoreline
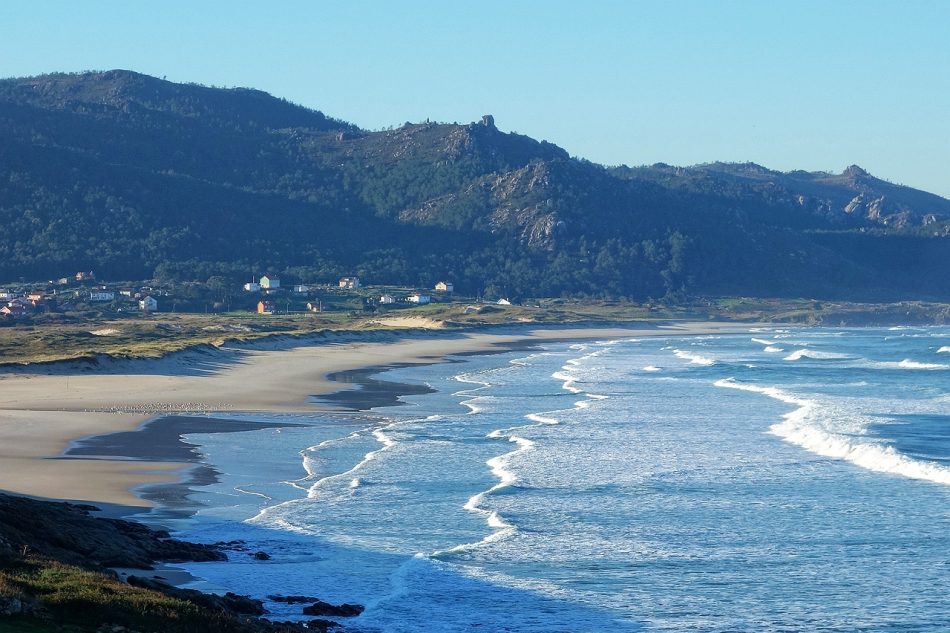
(44, 411)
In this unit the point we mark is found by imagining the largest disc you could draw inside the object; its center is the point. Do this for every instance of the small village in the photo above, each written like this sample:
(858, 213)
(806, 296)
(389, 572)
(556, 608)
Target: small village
(83, 294)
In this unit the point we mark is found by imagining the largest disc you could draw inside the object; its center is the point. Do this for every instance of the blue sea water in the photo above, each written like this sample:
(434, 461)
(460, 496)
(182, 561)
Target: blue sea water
(790, 479)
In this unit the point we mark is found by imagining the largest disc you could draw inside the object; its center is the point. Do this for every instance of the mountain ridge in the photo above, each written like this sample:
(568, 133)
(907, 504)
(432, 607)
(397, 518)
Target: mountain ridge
(189, 181)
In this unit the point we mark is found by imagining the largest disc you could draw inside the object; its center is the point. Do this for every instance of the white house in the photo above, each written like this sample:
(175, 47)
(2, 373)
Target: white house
(148, 304)
(445, 286)
(101, 295)
(301, 289)
(252, 287)
(387, 299)
(503, 302)
(421, 299)
(350, 283)
(269, 282)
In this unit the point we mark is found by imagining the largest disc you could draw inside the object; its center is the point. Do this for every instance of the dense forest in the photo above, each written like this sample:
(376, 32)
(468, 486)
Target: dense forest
(135, 177)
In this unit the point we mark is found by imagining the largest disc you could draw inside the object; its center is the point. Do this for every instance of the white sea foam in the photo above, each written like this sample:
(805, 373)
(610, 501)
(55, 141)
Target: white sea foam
(696, 359)
(472, 380)
(499, 468)
(911, 364)
(568, 382)
(309, 464)
(273, 514)
(474, 405)
(541, 419)
(381, 437)
(944, 350)
(772, 349)
(651, 368)
(526, 361)
(762, 341)
(811, 426)
(251, 492)
(816, 355)
(904, 364)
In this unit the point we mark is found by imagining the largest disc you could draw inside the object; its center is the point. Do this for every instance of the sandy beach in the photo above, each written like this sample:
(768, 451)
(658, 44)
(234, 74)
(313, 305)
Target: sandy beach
(45, 408)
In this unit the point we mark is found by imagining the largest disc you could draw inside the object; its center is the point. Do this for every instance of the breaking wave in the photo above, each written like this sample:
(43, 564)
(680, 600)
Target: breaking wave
(816, 355)
(811, 426)
(695, 359)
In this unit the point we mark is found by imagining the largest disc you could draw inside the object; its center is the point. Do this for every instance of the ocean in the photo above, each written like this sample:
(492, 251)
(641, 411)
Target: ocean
(785, 479)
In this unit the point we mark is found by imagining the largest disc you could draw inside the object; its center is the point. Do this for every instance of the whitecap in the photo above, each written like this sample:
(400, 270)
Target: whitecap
(541, 419)
(911, 364)
(806, 426)
(696, 359)
(498, 465)
(816, 355)
(568, 382)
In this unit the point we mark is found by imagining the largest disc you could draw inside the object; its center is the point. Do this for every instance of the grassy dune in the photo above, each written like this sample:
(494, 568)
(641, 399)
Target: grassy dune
(159, 334)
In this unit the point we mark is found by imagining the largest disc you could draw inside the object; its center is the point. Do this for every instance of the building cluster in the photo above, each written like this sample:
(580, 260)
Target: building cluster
(66, 293)
(268, 286)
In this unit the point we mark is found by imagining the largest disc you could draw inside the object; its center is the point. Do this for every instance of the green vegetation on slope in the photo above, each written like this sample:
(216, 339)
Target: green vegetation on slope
(135, 177)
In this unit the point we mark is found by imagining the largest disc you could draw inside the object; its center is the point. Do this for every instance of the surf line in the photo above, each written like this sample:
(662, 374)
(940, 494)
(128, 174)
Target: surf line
(472, 393)
(803, 428)
(352, 483)
(499, 464)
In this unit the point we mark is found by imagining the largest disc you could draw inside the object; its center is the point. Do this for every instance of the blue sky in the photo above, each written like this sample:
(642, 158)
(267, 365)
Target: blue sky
(791, 85)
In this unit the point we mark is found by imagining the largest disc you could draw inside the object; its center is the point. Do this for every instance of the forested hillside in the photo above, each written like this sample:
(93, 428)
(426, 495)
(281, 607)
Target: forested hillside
(136, 177)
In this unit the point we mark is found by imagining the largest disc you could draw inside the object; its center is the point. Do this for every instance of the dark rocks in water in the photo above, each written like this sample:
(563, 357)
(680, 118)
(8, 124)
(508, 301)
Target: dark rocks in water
(68, 533)
(322, 625)
(293, 599)
(238, 546)
(345, 610)
(228, 603)
(37, 535)
(243, 604)
(261, 555)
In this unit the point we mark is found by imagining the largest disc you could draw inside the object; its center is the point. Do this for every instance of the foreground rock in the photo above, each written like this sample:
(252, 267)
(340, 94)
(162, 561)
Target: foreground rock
(293, 599)
(345, 610)
(228, 603)
(69, 533)
(54, 575)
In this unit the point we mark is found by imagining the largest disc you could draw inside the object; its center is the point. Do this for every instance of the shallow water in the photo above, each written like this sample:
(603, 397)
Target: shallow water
(783, 480)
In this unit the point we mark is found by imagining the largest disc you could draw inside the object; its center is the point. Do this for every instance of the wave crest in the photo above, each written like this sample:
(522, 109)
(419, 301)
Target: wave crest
(695, 359)
(806, 427)
(816, 355)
